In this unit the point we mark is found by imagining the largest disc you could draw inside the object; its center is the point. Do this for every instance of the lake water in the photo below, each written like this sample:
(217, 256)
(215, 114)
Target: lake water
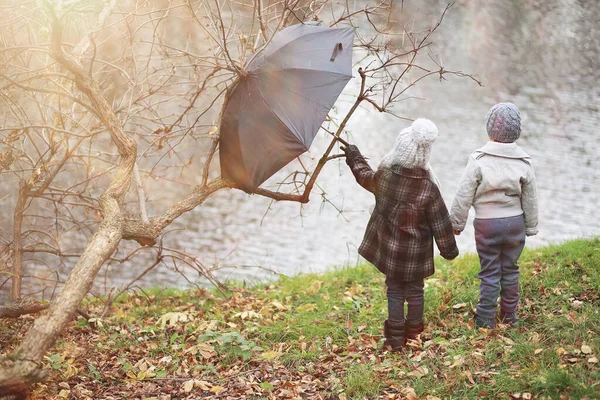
(542, 56)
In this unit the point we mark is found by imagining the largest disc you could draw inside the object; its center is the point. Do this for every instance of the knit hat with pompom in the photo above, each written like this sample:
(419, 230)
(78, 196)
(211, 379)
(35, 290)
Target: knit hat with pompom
(412, 146)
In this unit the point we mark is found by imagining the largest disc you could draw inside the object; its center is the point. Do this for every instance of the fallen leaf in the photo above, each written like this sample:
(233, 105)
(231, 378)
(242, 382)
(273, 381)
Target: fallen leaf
(538, 351)
(207, 325)
(278, 305)
(593, 360)
(459, 306)
(315, 287)
(188, 386)
(206, 350)
(469, 376)
(95, 322)
(458, 361)
(527, 396)
(573, 317)
(307, 307)
(202, 384)
(577, 304)
(560, 351)
(248, 315)
(508, 341)
(409, 393)
(173, 318)
(585, 349)
(216, 389)
(419, 372)
(270, 355)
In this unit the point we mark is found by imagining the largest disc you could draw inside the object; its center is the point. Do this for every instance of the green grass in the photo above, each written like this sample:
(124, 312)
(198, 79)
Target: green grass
(362, 381)
(321, 334)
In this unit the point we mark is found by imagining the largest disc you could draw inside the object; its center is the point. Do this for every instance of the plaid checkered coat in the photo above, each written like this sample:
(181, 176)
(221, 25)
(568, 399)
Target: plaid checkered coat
(409, 212)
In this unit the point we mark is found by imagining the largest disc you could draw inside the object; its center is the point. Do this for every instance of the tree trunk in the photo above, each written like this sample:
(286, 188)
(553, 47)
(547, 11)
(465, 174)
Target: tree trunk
(46, 329)
(17, 269)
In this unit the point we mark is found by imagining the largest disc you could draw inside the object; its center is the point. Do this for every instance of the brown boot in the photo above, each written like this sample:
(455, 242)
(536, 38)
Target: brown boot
(413, 329)
(394, 335)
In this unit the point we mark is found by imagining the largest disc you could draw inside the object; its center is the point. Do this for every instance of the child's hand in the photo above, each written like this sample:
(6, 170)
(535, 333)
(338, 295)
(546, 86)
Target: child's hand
(349, 149)
(456, 232)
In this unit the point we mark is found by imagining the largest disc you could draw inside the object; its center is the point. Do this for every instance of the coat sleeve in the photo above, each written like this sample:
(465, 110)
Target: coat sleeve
(439, 220)
(529, 203)
(465, 195)
(363, 173)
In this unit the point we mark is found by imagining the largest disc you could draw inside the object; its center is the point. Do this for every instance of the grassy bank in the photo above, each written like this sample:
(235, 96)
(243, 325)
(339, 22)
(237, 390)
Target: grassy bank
(319, 336)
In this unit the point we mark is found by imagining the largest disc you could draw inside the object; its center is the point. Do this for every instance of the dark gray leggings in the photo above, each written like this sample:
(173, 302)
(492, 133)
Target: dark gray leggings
(499, 242)
(398, 293)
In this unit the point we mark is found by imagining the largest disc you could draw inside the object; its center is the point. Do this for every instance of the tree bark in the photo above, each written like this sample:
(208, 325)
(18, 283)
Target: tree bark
(15, 310)
(17, 269)
(146, 234)
(46, 328)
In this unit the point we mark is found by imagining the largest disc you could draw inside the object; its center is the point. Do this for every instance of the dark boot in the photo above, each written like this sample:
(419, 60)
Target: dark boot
(413, 329)
(481, 322)
(394, 335)
(508, 318)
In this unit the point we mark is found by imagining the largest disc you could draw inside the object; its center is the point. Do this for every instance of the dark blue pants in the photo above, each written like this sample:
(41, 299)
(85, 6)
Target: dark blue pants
(398, 293)
(499, 242)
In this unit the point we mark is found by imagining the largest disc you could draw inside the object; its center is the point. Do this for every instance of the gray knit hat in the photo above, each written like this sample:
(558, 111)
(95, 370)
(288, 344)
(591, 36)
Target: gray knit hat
(412, 146)
(504, 122)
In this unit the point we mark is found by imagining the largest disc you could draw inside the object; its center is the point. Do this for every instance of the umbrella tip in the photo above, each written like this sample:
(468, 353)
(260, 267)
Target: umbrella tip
(243, 73)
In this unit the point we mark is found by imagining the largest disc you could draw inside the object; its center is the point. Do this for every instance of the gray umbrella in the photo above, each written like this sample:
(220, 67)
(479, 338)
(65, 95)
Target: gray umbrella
(274, 112)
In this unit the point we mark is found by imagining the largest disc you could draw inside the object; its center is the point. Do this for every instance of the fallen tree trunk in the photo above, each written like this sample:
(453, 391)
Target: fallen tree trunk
(15, 310)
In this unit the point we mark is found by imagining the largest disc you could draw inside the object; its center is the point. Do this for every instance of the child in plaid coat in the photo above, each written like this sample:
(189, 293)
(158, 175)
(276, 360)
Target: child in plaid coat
(409, 213)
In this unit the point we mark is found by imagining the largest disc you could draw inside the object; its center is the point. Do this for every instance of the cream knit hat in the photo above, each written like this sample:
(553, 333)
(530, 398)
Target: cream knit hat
(412, 146)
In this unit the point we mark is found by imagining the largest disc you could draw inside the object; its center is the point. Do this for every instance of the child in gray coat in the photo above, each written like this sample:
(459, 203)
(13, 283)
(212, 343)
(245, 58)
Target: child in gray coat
(500, 184)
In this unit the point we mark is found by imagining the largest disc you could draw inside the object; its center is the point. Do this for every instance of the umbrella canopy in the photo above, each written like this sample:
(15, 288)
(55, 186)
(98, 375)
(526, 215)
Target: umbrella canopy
(273, 113)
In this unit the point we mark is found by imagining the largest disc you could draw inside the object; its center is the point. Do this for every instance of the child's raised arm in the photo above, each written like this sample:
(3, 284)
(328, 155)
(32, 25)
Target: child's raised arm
(363, 173)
